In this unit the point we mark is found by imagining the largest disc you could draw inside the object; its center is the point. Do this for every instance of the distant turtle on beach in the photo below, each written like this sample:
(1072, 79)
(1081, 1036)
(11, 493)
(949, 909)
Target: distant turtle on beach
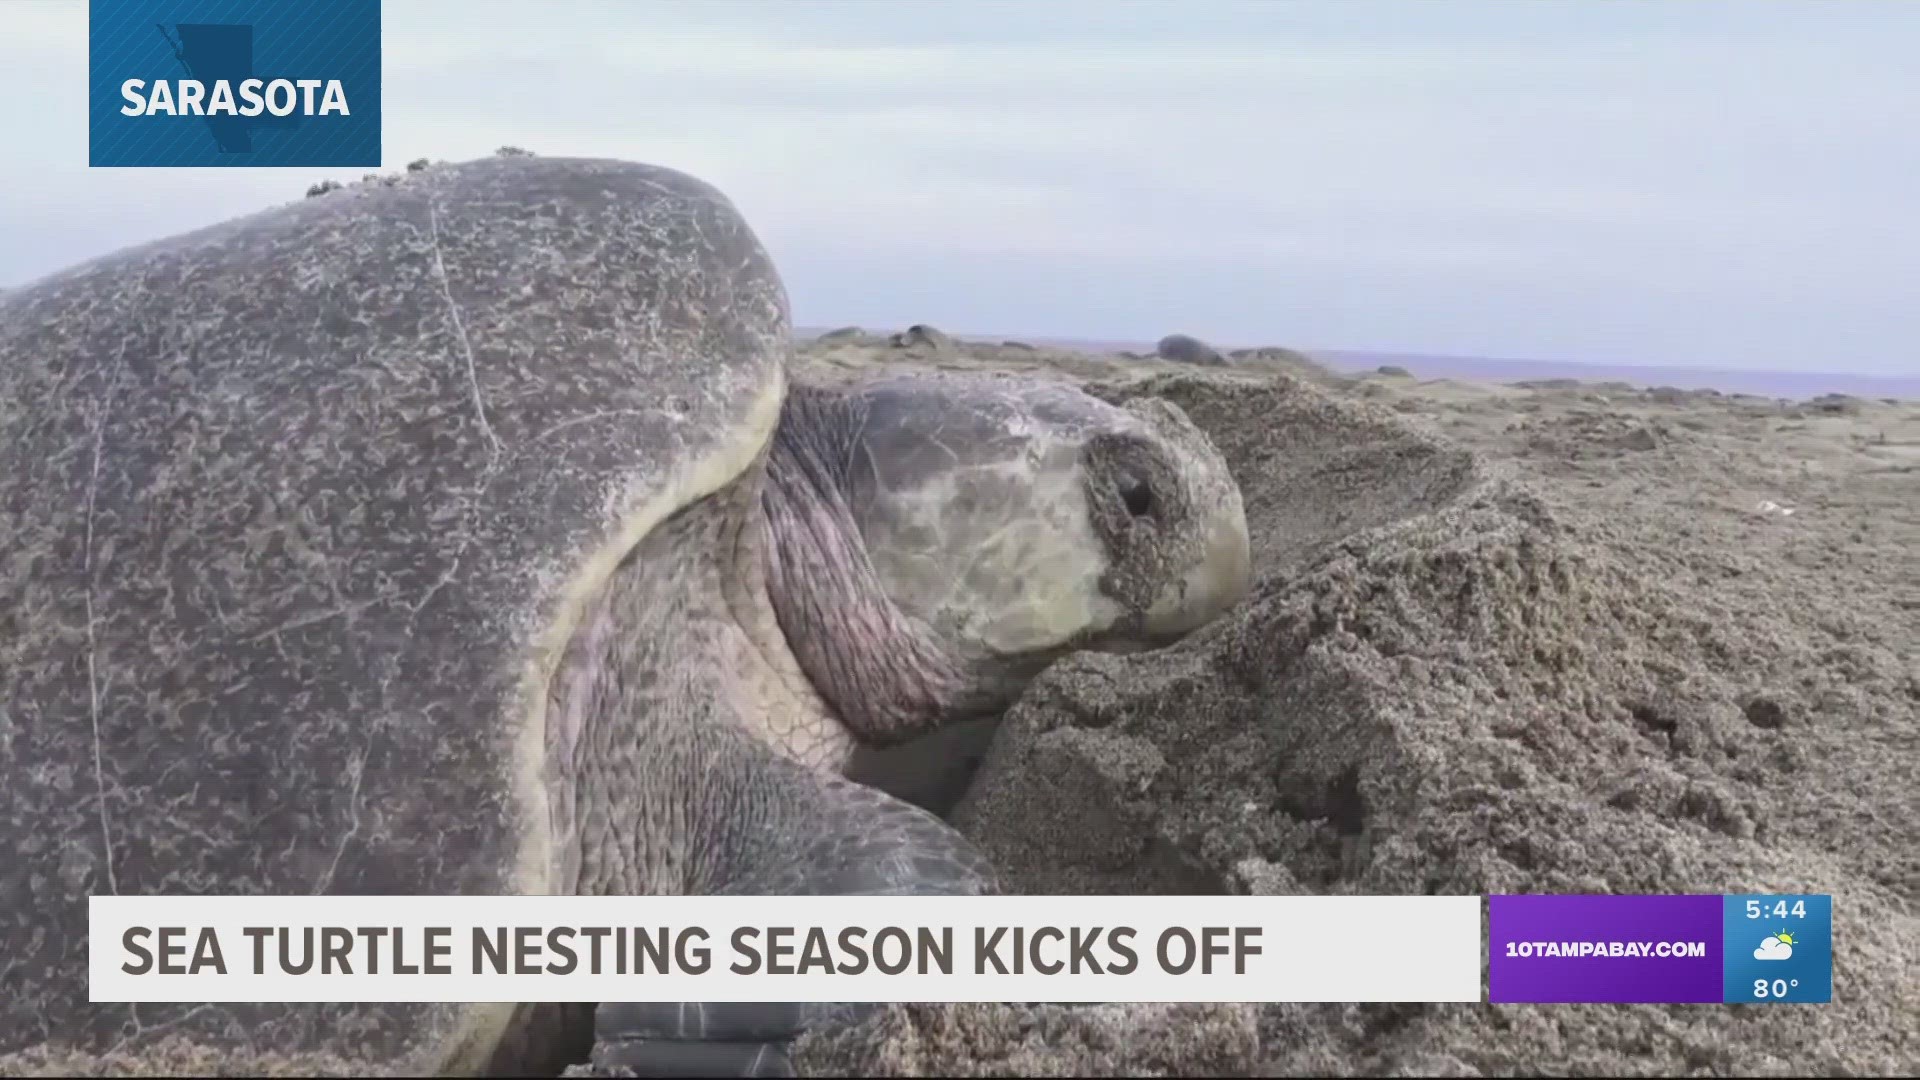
(465, 535)
(1185, 349)
(921, 335)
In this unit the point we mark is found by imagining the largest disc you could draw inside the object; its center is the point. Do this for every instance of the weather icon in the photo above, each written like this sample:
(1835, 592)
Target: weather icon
(1776, 947)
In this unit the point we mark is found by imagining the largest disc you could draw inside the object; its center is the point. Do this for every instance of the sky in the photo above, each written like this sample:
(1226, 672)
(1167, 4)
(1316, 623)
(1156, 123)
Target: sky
(1708, 184)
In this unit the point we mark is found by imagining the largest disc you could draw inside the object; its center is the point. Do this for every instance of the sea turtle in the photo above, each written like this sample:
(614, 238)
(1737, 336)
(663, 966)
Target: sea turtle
(465, 535)
(921, 336)
(1187, 349)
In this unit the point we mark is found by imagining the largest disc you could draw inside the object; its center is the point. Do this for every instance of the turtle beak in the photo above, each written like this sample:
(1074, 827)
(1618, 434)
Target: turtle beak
(1217, 579)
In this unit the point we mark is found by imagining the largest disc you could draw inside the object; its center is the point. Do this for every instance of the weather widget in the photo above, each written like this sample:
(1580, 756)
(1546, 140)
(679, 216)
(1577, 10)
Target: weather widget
(1779, 948)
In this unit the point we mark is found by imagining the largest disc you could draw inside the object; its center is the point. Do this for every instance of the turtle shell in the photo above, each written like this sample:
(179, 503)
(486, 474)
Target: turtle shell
(299, 512)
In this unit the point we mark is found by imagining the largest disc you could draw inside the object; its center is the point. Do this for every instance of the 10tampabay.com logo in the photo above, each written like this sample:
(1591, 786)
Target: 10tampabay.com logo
(248, 83)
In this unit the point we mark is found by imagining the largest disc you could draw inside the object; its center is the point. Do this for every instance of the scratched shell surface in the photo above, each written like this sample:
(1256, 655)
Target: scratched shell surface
(293, 505)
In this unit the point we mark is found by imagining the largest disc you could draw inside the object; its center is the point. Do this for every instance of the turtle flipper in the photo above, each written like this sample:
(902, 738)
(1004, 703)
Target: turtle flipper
(827, 836)
(705, 1039)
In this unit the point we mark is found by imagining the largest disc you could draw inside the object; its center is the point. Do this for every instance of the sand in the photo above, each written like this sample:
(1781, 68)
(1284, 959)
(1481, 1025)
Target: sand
(1503, 639)
(1546, 638)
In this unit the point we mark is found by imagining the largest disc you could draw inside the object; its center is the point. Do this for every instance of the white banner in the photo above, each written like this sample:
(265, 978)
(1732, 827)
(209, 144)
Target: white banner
(808, 948)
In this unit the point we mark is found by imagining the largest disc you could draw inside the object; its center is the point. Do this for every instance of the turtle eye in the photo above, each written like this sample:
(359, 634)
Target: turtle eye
(1137, 496)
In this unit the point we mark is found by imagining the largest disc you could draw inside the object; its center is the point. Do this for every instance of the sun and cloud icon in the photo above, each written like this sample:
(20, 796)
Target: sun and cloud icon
(1775, 947)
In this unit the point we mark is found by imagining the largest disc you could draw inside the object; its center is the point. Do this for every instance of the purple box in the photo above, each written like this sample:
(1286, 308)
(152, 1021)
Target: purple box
(1604, 948)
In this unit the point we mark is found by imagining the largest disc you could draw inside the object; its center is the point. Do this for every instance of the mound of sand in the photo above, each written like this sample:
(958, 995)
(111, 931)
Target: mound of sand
(1043, 1040)
(1455, 678)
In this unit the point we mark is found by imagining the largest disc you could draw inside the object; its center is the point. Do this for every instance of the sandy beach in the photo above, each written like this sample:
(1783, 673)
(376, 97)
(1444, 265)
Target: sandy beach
(1553, 637)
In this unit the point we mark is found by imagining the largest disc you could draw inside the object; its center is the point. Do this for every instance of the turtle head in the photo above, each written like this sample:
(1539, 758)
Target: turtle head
(941, 538)
(1021, 518)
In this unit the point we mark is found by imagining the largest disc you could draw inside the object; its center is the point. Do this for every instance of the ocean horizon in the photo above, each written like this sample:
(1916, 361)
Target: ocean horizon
(1761, 382)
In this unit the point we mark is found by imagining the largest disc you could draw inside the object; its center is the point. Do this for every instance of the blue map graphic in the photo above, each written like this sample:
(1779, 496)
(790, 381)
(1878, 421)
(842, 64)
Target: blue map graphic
(213, 51)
